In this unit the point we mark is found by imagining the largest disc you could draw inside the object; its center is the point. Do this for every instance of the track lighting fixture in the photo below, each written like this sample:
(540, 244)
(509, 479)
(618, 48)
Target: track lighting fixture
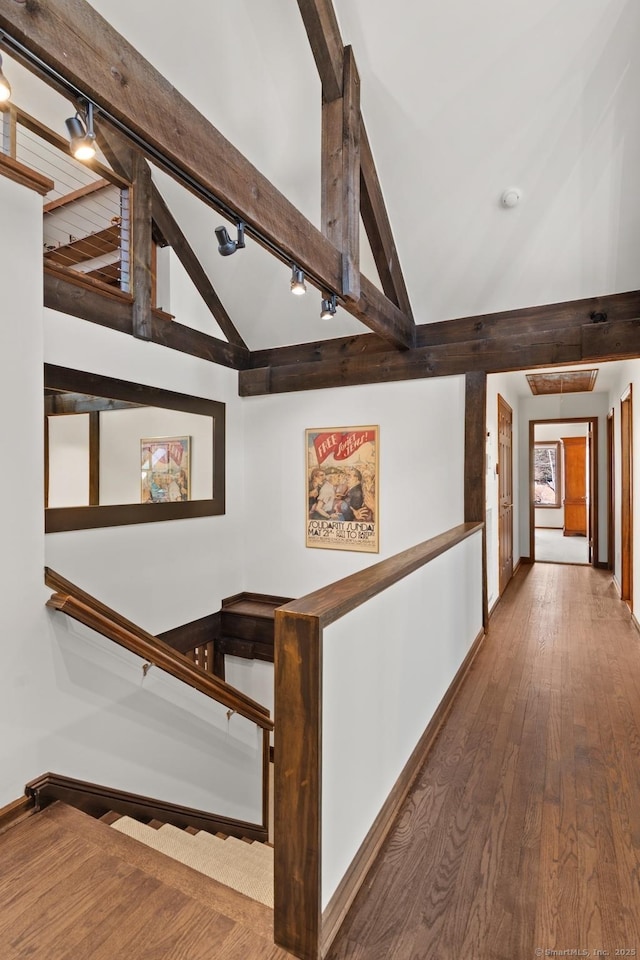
(227, 246)
(329, 306)
(298, 286)
(82, 138)
(5, 86)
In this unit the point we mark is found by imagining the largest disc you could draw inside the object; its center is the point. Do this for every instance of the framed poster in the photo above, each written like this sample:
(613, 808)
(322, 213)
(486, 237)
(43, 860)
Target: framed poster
(165, 466)
(342, 488)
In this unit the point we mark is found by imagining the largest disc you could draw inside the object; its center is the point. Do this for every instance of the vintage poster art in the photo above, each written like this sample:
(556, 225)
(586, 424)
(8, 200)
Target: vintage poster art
(165, 464)
(342, 488)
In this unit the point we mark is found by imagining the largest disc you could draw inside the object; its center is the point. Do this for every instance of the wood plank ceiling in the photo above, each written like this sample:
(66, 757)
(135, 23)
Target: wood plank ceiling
(132, 95)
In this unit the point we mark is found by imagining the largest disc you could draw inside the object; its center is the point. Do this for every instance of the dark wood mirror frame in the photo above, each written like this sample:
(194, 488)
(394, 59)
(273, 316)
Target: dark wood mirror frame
(58, 519)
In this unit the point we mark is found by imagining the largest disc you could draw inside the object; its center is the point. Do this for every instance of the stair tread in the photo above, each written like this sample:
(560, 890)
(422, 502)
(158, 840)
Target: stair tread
(251, 851)
(183, 847)
(230, 851)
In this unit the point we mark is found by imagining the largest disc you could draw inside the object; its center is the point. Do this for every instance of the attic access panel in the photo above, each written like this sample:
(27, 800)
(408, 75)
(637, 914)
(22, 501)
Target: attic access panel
(567, 381)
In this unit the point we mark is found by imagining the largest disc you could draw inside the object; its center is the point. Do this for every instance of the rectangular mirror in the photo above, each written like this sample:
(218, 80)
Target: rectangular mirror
(118, 452)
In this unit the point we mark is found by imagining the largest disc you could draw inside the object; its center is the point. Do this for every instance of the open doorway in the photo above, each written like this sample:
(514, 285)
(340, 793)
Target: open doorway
(563, 477)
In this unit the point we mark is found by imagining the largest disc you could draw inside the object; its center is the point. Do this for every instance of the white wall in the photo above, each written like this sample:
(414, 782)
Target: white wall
(24, 676)
(68, 453)
(70, 701)
(502, 384)
(386, 667)
(420, 483)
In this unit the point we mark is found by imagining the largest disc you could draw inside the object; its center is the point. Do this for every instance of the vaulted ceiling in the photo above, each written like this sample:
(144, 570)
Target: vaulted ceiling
(461, 101)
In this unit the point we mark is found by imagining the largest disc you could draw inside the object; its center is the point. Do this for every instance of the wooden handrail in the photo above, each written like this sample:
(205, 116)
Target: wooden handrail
(334, 601)
(84, 608)
(299, 923)
(60, 584)
(161, 655)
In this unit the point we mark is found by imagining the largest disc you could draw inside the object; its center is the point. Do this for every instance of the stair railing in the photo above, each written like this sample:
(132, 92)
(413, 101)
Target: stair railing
(81, 606)
(84, 608)
(87, 234)
(445, 603)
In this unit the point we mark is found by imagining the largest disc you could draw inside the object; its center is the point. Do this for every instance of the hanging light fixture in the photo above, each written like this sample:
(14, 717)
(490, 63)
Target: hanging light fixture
(227, 246)
(298, 286)
(328, 308)
(82, 139)
(5, 86)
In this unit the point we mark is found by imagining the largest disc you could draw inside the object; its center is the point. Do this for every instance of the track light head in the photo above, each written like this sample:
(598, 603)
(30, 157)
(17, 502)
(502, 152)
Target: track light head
(329, 307)
(82, 139)
(298, 286)
(227, 246)
(5, 86)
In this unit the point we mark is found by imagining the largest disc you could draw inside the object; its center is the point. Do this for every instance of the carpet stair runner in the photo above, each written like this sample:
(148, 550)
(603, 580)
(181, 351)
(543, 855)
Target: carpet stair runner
(243, 865)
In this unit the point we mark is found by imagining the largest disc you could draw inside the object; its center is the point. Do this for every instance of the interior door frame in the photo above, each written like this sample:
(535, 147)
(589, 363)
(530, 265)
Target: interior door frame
(611, 490)
(594, 513)
(502, 582)
(626, 496)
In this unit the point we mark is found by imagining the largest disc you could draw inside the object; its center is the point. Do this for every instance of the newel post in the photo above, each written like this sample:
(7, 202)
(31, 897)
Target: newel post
(298, 783)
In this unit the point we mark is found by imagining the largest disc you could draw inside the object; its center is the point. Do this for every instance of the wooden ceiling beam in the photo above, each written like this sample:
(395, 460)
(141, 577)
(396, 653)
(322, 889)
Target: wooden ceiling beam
(325, 39)
(72, 39)
(526, 322)
(340, 195)
(516, 340)
(378, 228)
(121, 156)
(329, 53)
(79, 298)
(137, 252)
(140, 249)
(170, 230)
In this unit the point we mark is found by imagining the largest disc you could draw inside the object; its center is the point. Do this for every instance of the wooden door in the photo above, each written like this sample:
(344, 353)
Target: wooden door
(611, 492)
(626, 497)
(505, 493)
(575, 486)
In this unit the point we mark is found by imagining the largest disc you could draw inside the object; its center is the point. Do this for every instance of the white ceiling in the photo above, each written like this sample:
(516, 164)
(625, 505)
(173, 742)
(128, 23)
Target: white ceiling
(461, 100)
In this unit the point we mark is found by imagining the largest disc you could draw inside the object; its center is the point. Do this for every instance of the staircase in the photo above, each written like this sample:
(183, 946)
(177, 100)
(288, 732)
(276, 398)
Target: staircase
(243, 865)
(73, 888)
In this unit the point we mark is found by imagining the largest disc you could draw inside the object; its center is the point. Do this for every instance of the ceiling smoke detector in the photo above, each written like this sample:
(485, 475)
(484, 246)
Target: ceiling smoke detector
(511, 197)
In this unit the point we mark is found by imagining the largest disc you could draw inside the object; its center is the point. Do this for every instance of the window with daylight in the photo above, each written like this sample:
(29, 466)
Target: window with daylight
(546, 474)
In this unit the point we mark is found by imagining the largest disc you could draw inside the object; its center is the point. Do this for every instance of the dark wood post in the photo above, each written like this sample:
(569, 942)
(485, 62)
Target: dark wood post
(475, 485)
(297, 800)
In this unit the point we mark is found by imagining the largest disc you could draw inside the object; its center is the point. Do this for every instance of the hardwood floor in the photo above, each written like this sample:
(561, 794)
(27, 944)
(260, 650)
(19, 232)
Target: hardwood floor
(73, 889)
(521, 835)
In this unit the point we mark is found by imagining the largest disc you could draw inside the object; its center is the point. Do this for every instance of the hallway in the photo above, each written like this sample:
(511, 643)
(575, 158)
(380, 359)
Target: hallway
(521, 836)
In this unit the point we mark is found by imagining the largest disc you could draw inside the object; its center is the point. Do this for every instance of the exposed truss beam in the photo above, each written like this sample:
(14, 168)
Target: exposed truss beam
(322, 28)
(122, 157)
(341, 176)
(328, 49)
(131, 165)
(378, 229)
(71, 39)
(141, 246)
(79, 298)
(170, 230)
(563, 333)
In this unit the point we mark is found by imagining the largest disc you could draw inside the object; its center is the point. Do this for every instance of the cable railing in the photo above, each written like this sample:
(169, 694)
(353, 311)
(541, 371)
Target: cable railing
(86, 226)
